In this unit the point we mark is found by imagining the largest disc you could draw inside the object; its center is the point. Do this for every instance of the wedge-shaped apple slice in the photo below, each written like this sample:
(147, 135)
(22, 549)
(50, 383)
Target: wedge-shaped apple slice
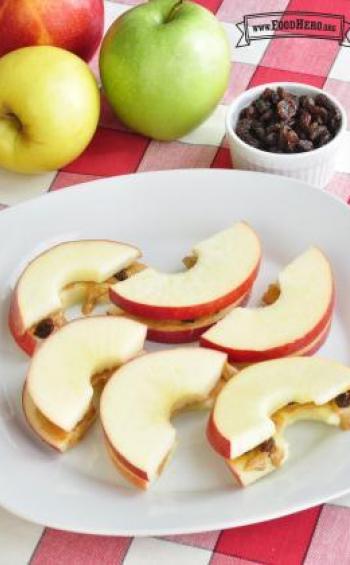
(178, 331)
(139, 399)
(45, 286)
(68, 366)
(221, 270)
(253, 408)
(293, 324)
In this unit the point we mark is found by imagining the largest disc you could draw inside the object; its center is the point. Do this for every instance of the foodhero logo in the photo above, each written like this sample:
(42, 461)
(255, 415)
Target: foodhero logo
(276, 25)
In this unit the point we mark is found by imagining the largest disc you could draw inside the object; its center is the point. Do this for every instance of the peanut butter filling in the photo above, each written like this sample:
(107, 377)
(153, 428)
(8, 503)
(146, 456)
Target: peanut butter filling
(53, 434)
(90, 294)
(272, 453)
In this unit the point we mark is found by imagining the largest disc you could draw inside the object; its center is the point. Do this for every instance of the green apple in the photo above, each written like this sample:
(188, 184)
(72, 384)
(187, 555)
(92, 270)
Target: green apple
(164, 67)
(49, 108)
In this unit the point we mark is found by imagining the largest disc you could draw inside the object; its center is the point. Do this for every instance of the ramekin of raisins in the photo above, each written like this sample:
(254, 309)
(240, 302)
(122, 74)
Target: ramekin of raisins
(289, 128)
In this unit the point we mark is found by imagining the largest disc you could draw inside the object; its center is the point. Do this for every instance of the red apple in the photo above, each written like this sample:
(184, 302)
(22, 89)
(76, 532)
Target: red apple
(294, 323)
(174, 331)
(150, 388)
(41, 291)
(260, 401)
(224, 269)
(75, 25)
(58, 392)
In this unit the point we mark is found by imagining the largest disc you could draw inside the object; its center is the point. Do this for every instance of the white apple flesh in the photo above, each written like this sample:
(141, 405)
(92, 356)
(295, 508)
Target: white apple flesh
(293, 322)
(255, 406)
(225, 269)
(40, 289)
(59, 380)
(139, 399)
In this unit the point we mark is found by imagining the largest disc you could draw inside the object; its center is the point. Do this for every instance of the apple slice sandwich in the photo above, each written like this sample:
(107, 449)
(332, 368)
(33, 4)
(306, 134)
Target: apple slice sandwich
(139, 399)
(70, 272)
(252, 410)
(178, 307)
(68, 371)
(295, 319)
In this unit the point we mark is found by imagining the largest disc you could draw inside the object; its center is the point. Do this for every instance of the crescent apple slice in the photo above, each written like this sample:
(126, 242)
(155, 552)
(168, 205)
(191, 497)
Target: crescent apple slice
(222, 269)
(297, 319)
(178, 331)
(251, 411)
(139, 399)
(64, 371)
(47, 284)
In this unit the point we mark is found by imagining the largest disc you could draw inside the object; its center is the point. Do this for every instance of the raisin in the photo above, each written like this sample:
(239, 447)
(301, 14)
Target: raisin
(292, 140)
(248, 112)
(304, 119)
(273, 128)
(313, 130)
(122, 275)
(271, 139)
(288, 139)
(281, 93)
(305, 145)
(307, 102)
(334, 124)
(343, 400)
(318, 132)
(321, 113)
(267, 94)
(323, 139)
(244, 126)
(281, 122)
(286, 109)
(323, 100)
(262, 105)
(259, 130)
(267, 116)
(44, 328)
(267, 446)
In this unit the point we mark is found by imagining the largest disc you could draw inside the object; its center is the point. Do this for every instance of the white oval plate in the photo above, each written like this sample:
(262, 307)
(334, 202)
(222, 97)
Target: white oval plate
(165, 213)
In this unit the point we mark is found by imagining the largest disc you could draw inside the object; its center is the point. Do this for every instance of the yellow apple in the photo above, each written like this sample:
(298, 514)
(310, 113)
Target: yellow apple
(49, 108)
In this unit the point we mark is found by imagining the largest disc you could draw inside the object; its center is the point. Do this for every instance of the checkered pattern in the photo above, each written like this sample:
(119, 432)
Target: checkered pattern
(317, 536)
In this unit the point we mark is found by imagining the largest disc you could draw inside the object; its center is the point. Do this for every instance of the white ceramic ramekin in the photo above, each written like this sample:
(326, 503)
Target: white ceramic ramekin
(315, 167)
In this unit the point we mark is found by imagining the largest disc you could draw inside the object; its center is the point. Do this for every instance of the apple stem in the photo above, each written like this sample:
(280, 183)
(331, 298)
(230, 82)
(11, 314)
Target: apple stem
(168, 8)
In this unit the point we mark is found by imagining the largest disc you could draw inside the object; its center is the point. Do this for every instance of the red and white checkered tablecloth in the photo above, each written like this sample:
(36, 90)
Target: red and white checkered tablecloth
(319, 536)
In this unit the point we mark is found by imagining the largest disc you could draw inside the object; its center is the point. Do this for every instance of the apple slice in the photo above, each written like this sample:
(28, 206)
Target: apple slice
(222, 270)
(45, 286)
(139, 399)
(252, 410)
(59, 388)
(297, 318)
(178, 331)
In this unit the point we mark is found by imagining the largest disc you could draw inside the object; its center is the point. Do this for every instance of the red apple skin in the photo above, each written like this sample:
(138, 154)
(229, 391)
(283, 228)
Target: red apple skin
(185, 312)
(251, 356)
(132, 469)
(25, 340)
(185, 335)
(220, 443)
(216, 440)
(317, 344)
(181, 336)
(75, 25)
(235, 475)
